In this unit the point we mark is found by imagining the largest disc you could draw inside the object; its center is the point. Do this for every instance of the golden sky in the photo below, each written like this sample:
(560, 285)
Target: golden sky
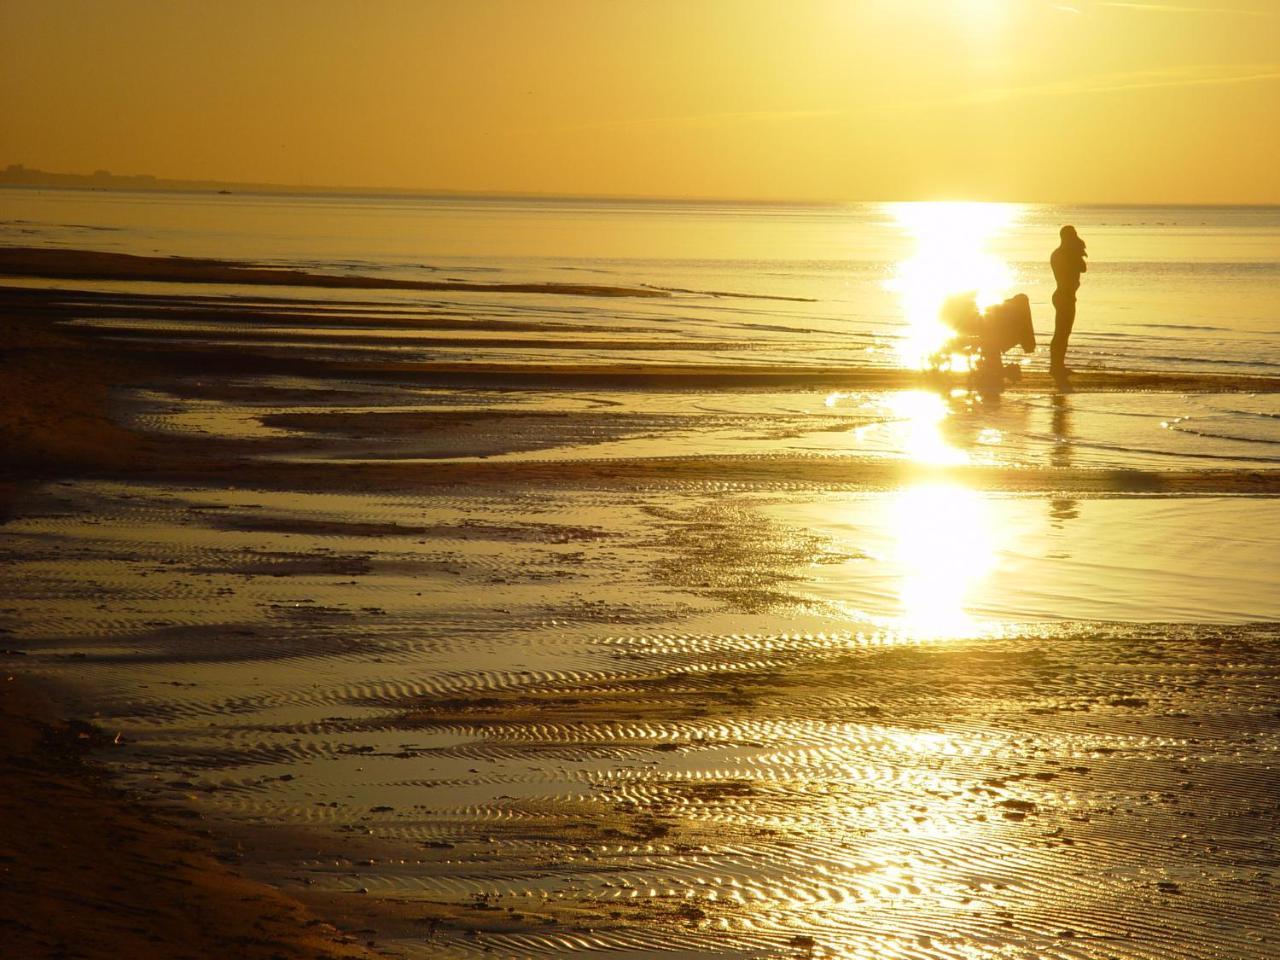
(1041, 100)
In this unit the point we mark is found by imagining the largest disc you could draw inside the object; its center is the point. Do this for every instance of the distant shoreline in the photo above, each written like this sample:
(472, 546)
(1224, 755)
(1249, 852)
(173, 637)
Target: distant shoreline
(28, 179)
(32, 179)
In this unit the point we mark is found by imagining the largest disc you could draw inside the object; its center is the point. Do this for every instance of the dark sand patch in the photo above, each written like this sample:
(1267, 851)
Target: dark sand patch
(54, 399)
(96, 265)
(243, 312)
(332, 336)
(738, 556)
(86, 871)
(266, 564)
(391, 423)
(746, 472)
(615, 701)
(331, 527)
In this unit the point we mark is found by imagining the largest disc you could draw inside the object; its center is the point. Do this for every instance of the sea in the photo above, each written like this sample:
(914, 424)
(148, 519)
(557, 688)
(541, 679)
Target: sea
(1186, 288)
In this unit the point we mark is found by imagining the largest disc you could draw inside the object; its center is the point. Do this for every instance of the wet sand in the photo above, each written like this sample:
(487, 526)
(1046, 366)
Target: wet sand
(468, 659)
(86, 871)
(93, 265)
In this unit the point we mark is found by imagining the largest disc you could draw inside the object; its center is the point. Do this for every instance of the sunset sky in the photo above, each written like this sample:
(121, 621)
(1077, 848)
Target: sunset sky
(1052, 100)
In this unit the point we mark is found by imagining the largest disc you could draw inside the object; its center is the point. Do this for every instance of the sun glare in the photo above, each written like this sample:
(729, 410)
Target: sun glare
(922, 416)
(980, 13)
(950, 257)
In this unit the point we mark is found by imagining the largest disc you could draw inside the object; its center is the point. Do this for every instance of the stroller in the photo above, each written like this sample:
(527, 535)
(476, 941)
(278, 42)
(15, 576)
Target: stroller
(983, 337)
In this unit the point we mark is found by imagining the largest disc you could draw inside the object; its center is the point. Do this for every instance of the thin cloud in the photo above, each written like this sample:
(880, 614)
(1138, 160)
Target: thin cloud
(1201, 76)
(1198, 76)
(1164, 8)
(1175, 8)
(728, 118)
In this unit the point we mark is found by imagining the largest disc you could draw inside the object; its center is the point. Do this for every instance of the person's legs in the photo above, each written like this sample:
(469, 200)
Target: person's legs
(1064, 318)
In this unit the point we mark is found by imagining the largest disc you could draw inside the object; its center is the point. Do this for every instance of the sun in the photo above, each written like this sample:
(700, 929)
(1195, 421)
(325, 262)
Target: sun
(989, 10)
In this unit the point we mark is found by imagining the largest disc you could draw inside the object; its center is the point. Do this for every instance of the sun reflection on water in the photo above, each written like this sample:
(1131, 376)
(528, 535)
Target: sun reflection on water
(945, 532)
(945, 549)
(950, 257)
(923, 415)
(937, 542)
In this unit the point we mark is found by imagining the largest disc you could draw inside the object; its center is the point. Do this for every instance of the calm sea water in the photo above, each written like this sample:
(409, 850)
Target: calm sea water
(1173, 288)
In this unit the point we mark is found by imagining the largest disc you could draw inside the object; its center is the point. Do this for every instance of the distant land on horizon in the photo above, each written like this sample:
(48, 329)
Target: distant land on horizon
(19, 175)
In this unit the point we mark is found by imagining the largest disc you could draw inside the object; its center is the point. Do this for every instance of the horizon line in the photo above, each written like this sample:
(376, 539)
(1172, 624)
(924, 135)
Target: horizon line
(164, 184)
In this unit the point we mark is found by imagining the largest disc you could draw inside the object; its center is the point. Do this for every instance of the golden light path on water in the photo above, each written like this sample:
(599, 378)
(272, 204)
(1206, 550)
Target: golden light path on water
(946, 535)
(946, 548)
(951, 256)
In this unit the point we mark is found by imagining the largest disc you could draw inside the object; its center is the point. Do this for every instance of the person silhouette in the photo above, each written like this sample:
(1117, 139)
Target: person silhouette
(1068, 262)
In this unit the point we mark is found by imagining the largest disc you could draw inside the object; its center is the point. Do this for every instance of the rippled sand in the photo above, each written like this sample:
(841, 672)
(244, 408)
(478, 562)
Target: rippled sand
(826, 671)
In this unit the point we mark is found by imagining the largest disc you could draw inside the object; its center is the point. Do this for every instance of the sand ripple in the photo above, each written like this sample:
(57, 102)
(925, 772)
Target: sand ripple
(654, 741)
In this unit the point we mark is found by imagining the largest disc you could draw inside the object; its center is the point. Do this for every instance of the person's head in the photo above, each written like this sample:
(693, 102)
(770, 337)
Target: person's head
(1070, 238)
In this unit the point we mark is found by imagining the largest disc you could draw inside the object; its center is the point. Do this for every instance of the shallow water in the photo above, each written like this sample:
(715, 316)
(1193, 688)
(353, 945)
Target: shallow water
(386, 423)
(940, 557)
(1187, 288)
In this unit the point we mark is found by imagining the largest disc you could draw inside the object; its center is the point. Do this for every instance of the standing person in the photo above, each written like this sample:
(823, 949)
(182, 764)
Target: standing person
(1068, 262)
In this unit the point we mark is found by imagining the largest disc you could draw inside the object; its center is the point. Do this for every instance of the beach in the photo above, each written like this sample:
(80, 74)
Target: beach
(630, 607)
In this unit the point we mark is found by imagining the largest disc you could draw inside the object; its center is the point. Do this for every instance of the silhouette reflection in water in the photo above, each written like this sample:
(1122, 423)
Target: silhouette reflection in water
(1062, 509)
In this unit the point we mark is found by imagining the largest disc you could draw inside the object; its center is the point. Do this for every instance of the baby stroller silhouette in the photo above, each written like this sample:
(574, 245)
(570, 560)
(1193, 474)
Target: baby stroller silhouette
(983, 336)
